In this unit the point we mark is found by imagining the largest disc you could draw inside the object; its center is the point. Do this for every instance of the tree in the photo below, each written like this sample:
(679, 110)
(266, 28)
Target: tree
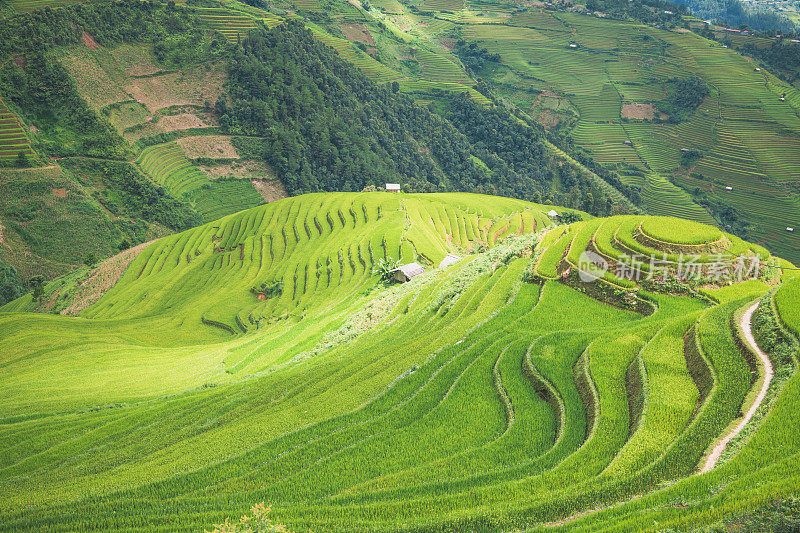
(11, 286)
(22, 159)
(36, 283)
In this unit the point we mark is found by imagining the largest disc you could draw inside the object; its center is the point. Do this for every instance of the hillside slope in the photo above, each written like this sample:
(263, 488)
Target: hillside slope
(258, 358)
(130, 92)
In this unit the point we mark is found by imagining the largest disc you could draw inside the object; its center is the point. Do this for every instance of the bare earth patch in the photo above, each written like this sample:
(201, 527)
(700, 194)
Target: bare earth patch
(270, 190)
(101, 279)
(210, 146)
(191, 87)
(89, 41)
(93, 83)
(239, 169)
(60, 192)
(357, 33)
(638, 111)
(135, 59)
(166, 124)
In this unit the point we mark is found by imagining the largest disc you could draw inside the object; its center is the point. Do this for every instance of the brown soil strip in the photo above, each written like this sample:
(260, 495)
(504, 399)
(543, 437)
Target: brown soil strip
(101, 279)
(209, 146)
(357, 33)
(270, 190)
(89, 41)
(638, 111)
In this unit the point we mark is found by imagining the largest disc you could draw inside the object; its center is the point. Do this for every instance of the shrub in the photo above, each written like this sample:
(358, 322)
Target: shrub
(385, 268)
(259, 522)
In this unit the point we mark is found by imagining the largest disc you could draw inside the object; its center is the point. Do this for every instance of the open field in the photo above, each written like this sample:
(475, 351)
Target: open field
(272, 365)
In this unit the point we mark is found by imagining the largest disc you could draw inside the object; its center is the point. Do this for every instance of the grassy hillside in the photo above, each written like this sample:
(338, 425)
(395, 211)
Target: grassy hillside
(122, 88)
(271, 364)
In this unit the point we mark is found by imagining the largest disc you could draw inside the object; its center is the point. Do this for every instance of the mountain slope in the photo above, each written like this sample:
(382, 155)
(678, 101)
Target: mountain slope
(258, 358)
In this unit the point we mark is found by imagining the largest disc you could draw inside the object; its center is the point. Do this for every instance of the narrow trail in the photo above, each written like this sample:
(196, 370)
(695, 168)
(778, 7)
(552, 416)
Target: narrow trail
(715, 454)
(713, 458)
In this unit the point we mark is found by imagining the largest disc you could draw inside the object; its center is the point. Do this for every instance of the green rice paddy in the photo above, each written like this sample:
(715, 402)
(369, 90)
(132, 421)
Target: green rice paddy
(476, 396)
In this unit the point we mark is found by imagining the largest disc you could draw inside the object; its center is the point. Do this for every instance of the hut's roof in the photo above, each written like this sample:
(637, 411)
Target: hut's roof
(448, 260)
(411, 269)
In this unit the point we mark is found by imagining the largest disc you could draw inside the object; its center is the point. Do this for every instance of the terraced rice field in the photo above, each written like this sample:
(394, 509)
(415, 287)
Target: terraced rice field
(442, 5)
(746, 136)
(13, 138)
(368, 65)
(234, 26)
(168, 166)
(472, 397)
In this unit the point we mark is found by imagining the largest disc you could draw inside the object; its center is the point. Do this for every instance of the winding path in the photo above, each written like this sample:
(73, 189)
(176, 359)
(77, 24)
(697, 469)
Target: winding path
(713, 457)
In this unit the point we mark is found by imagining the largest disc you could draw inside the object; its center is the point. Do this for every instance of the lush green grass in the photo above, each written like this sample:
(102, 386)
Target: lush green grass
(667, 230)
(786, 302)
(465, 398)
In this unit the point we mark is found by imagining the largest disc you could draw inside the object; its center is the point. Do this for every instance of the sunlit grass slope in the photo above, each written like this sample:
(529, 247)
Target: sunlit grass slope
(496, 393)
(195, 288)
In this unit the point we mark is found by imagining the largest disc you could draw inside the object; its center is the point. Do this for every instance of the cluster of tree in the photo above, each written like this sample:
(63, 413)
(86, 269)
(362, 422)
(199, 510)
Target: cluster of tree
(511, 150)
(11, 284)
(734, 13)
(47, 96)
(783, 58)
(683, 97)
(325, 126)
(128, 193)
(473, 56)
(109, 23)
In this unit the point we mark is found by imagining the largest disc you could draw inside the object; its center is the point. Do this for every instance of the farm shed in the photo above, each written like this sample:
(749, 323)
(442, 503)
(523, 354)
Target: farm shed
(405, 272)
(790, 229)
(448, 260)
(392, 187)
(728, 188)
(553, 214)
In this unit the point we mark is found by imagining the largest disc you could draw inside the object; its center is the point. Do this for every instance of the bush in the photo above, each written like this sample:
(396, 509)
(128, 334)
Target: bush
(385, 268)
(259, 522)
(11, 286)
